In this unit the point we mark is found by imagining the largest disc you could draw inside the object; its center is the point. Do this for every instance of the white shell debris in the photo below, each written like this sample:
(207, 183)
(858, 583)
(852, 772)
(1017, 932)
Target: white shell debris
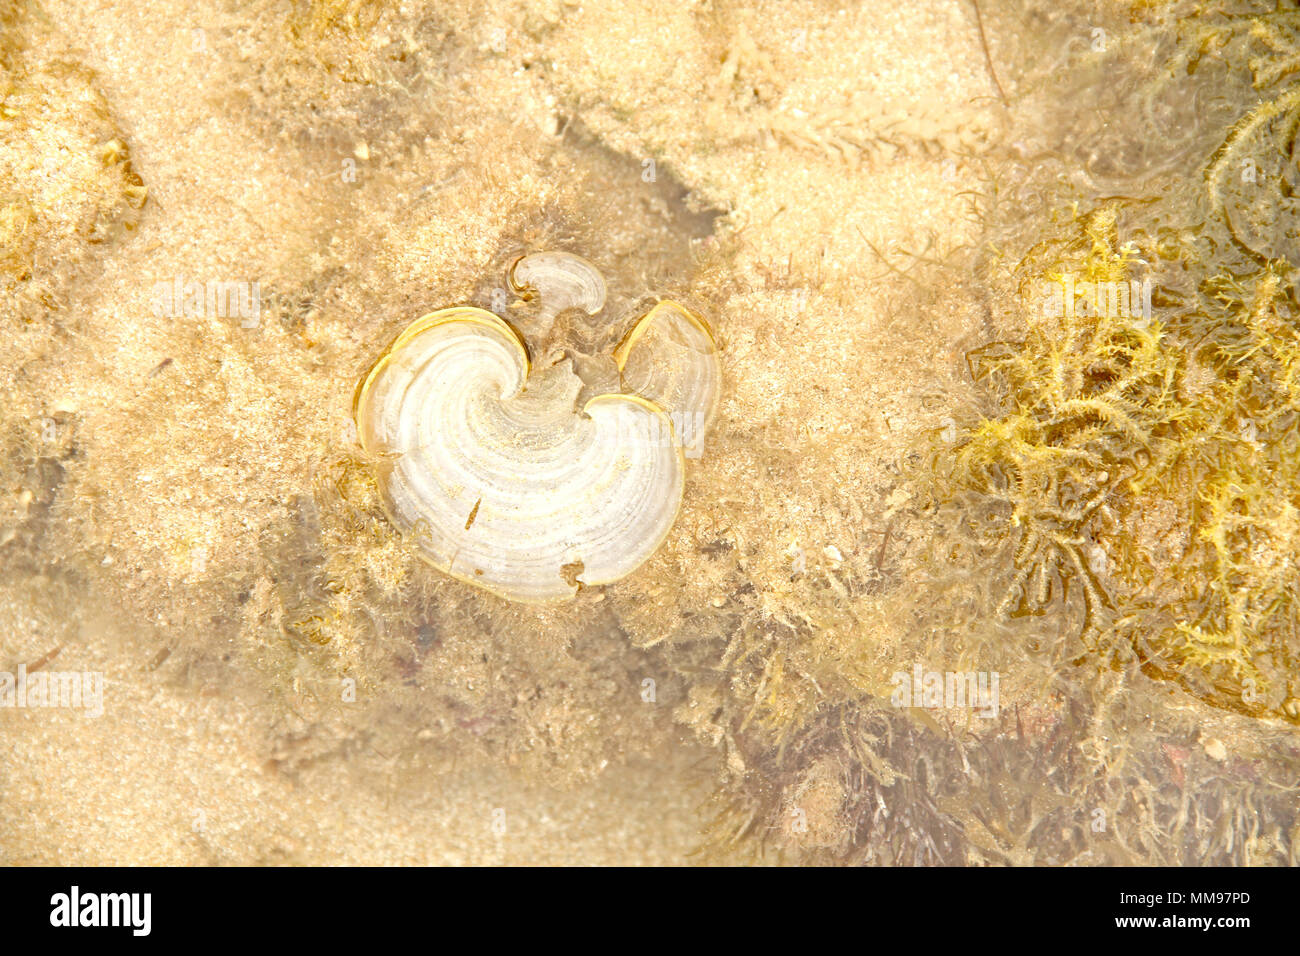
(504, 482)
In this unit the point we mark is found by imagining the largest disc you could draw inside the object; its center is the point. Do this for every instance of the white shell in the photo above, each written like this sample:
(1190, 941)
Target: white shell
(669, 357)
(504, 482)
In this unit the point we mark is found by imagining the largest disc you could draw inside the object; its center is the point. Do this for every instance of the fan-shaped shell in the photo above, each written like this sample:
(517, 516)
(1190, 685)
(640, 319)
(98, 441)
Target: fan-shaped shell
(504, 482)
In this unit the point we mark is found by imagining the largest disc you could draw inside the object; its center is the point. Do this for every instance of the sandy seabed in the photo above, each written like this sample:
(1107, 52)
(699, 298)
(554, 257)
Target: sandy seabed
(186, 511)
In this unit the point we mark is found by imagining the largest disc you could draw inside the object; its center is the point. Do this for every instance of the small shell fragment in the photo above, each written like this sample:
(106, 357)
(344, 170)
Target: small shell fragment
(560, 280)
(669, 357)
(505, 483)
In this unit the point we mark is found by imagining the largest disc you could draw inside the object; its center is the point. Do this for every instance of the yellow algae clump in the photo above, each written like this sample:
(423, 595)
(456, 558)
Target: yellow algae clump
(1151, 466)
